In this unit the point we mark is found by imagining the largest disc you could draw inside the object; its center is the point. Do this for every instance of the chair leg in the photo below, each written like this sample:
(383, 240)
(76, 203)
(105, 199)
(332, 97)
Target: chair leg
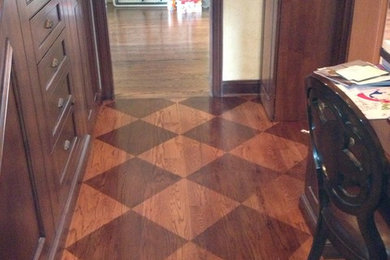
(320, 236)
(375, 245)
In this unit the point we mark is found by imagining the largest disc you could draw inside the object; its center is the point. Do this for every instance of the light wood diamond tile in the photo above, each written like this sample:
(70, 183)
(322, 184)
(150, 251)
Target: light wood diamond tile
(181, 155)
(186, 208)
(193, 252)
(178, 118)
(177, 99)
(104, 157)
(279, 199)
(250, 114)
(109, 119)
(66, 255)
(93, 209)
(273, 152)
(303, 251)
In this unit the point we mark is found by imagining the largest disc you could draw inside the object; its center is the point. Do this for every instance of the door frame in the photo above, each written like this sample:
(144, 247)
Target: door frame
(104, 53)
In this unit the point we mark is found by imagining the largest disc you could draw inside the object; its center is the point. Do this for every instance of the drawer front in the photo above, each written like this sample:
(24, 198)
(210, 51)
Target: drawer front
(57, 104)
(52, 63)
(33, 6)
(46, 25)
(63, 149)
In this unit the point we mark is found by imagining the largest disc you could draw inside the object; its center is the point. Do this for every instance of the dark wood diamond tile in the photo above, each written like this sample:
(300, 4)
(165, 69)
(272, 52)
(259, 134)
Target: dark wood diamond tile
(133, 181)
(129, 236)
(137, 137)
(215, 106)
(140, 107)
(247, 234)
(250, 97)
(291, 131)
(221, 133)
(257, 100)
(233, 177)
(299, 170)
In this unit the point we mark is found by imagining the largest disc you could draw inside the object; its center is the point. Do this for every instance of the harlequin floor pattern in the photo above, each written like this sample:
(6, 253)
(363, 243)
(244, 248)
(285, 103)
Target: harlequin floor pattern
(189, 179)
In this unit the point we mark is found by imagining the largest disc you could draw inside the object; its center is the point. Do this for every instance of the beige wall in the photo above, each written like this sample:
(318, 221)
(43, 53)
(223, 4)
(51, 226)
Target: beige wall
(242, 22)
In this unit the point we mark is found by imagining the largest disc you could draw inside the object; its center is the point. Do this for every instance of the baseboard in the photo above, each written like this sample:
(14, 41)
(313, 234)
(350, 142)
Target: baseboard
(240, 87)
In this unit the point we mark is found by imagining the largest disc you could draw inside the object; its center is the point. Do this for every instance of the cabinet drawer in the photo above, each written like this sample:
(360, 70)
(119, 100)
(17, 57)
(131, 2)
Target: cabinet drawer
(57, 104)
(46, 25)
(33, 6)
(52, 62)
(63, 148)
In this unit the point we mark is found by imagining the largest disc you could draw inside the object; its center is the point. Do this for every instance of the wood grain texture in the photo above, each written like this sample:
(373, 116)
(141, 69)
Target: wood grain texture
(386, 35)
(109, 119)
(222, 134)
(133, 181)
(98, 164)
(93, 209)
(193, 252)
(272, 152)
(193, 155)
(292, 51)
(191, 208)
(159, 53)
(128, 235)
(178, 118)
(234, 177)
(250, 114)
(103, 48)
(131, 138)
(263, 229)
(216, 47)
(187, 199)
(368, 25)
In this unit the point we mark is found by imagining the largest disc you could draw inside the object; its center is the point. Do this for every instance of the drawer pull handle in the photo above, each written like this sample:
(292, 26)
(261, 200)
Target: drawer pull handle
(67, 145)
(49, 24)
(55, 63)
(61, 102)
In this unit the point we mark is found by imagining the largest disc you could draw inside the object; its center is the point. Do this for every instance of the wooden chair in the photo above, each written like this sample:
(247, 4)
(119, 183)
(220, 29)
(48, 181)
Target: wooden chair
(352, 173)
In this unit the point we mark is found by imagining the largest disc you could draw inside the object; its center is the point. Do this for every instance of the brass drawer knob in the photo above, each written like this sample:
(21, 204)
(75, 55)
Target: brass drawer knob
(55, 63)
(61, 102)
(49, 24)
(66, 145)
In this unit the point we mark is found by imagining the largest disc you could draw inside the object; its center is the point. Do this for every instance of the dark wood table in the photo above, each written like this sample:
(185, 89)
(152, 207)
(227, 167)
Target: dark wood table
(309, 201)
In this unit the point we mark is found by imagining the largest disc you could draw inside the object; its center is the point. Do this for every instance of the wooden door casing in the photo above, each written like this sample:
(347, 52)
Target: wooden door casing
(22, 233)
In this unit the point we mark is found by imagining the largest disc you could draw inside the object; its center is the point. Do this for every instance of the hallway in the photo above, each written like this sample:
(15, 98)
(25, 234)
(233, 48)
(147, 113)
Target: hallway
(191, 178)
(158, 53)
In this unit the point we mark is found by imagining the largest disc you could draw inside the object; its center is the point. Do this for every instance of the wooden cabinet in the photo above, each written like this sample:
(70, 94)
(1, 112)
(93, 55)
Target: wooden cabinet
(83, 41)
(47, 117)
(298, 37)
(22, 232)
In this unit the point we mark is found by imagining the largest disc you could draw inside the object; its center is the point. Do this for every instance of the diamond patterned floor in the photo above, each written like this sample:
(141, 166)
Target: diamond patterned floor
(196, 178)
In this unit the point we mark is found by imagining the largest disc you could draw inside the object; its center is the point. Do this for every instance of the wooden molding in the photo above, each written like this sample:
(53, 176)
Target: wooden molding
(216, 47)
(237, 87)
(369, 19)
(103, 49)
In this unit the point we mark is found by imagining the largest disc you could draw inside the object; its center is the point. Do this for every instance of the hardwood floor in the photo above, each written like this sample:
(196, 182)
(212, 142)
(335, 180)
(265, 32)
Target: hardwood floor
(191, 178)
(157, 53)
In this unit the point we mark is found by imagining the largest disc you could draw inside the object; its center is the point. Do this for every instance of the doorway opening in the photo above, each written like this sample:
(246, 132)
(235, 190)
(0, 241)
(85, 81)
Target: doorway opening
(158, 52)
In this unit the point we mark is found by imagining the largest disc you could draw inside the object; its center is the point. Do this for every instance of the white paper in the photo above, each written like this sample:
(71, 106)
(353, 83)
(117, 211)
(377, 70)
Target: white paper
(374, 102)
(359, 73)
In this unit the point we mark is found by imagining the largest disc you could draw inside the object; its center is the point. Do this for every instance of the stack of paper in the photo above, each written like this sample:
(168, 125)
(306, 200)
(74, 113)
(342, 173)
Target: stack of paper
(356, 73)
